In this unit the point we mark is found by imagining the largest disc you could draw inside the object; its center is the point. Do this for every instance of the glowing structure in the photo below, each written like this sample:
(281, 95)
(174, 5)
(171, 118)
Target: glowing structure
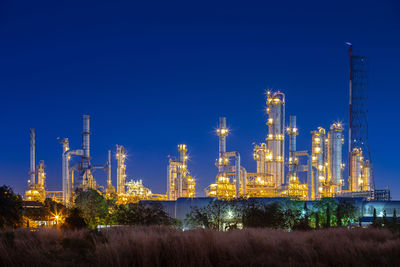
(121, 168)
(276, 136)
(132, 191)
(327, 180)
(36, 191)
(229, 179)
(84, 168)
(293, 188)
(110, 189)
(87, 180)
(179, 182)
(334, 158)
(318, 162)
(359, 179)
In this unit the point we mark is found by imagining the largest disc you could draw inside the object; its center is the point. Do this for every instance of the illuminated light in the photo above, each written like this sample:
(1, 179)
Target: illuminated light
(314, 158)
(270, 120)
(317, 140)
(321, 178)
(294, 130)
(320, 167)
(317, 150)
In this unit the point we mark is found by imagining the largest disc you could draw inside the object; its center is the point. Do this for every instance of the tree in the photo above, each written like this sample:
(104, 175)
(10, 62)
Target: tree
(317, 219)
(74, 220)
(328, 217)
(10, 208)
(292, 214)
(324, 207)
(140, 214)
(394, 221)
(304, 223)
(375, 221)
(346, 211)
(263, 215)
(93, 207)
(384, 219)
(217, 215)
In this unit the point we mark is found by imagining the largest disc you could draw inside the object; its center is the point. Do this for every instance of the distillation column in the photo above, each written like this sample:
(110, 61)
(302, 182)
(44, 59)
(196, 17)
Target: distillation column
(276, 136)
(335, 143)
(318, 149)
(32, 172)
(355, 180)
(121, 168)
(222, 133)
(293, 160)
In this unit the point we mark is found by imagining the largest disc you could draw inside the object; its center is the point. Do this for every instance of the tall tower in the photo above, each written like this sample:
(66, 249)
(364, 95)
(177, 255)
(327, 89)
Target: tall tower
(358, 109)
(276, 136)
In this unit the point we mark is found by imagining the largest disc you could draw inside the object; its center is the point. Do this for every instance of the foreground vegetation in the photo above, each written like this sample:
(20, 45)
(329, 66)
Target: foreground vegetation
(166, 246)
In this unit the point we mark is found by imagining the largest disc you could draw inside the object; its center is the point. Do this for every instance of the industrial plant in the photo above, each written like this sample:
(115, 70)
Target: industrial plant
(311, 174)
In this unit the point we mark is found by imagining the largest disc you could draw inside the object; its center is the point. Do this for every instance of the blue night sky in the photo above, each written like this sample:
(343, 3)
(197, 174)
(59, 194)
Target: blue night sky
(156, 74)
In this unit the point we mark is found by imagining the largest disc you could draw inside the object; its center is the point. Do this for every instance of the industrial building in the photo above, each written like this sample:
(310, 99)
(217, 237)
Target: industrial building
(299, 174)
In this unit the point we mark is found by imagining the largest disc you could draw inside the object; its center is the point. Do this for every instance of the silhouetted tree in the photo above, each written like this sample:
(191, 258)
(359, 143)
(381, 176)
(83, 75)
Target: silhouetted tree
(328, 217)
(74, 220)
(346, 211)
(375, 221)
(264, 215)
(384, 219)
(140, 214)
(10, 208)
(394, 221)
(317, 219)
(93, 207)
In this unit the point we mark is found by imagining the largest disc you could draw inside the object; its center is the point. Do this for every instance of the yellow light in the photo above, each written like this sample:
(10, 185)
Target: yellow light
(317, 149)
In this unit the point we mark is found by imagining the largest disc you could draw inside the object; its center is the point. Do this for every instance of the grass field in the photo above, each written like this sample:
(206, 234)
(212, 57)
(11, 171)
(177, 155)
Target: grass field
(160, 246)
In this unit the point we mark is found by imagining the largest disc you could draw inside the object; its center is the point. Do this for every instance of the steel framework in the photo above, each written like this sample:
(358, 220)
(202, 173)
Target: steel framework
(358, 109)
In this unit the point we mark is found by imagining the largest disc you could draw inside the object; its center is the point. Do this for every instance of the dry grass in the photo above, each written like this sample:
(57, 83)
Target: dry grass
(160, 246)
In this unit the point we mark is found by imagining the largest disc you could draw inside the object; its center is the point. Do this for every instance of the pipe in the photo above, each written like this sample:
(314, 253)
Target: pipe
(237, 169)
(86, 142)
(311, 194)
(109, 169)
(32, 172)
(244, 180)
(67, 183)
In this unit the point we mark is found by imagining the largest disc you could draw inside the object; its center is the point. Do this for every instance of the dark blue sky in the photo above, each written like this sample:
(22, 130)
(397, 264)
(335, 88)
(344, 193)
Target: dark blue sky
(153, 74)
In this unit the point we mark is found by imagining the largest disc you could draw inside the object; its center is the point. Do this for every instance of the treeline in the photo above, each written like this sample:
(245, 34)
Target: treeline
(286, 214)
(91, 209)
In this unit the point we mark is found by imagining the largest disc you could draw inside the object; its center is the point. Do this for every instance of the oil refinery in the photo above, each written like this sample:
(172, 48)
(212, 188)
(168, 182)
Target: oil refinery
(310, 174)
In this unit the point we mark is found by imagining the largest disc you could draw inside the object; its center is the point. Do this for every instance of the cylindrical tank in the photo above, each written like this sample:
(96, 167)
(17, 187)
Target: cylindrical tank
(222, 133)
(335, 143)
(276, 136)
(32, 172)
(86, 139)
(355, 182)
(317, 157)
(366, 176)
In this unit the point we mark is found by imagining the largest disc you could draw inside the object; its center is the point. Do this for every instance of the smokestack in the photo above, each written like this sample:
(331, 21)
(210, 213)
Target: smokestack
(86, 139)
(109, 168)
(32, 157)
